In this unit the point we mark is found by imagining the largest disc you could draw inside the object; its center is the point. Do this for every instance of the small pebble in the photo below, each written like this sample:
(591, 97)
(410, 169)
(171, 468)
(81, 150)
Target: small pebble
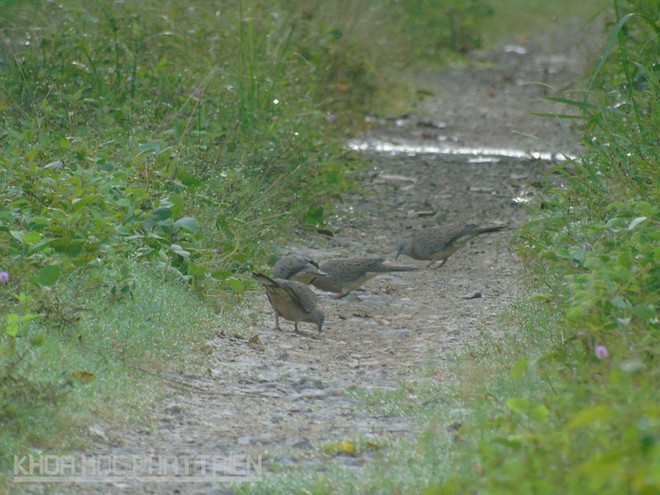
(472, 295)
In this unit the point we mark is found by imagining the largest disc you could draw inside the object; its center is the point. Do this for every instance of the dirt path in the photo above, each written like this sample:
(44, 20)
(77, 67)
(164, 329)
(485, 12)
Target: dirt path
(286, 397)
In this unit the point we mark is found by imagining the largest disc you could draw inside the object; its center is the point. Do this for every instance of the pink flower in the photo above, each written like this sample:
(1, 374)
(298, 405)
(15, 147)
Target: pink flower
(4, 277)
(601, 352)
(330, 117)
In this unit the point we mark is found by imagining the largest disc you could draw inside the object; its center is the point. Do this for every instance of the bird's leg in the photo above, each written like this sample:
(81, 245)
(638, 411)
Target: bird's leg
(277, 322)
(441, 263)
(295, 326)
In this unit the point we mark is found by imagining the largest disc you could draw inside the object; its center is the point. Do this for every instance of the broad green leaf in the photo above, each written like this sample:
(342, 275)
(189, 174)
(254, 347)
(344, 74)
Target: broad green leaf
(37, 223)
(177, 204)
(221, 274)
(601, 468)
(236, 284)
(31, 237)
(187, 223)
(48, 275)
(162, 213)
(28, 317)
(188, 179)
(539, 413)
(121, 230)
(196, 270)
(36, 247)
(314, 215)
(16, 234)
(519, 369)
(518, 405)
(619, 302)
(12, 324)
(588, 417)
(180, 251)
(575, 313)
(149, 148)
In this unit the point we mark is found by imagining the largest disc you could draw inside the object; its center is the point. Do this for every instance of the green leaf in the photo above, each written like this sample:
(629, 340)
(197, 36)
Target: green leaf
(539, 413)
(177, 204)
(79, 203)
(196, 270)
(17, 235)
(188, 179)
(28, 317)
(146, 148)
(314, 215)
(36, 247)
(12, 324)
(518, 405)
(619, 302)
(48, 275)
(121, 230)
(221, 274)
(635, 222)
(187, 223)
(608, 49)
(162, 213)
(180, 251)
(236, 284)
(519, 369)
(31, 237)
(588, 417)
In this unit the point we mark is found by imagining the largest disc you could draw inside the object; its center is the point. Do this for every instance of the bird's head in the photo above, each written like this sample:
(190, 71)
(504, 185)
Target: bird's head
(402, 247)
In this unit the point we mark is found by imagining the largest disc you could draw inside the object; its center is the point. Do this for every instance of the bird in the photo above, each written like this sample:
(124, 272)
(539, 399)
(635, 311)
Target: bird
(291, 300)
(439, 243)
(298, 267)
(342, 275)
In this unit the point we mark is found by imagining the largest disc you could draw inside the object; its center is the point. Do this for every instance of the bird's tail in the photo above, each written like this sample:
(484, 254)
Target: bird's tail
(384, 268)
(474, 230)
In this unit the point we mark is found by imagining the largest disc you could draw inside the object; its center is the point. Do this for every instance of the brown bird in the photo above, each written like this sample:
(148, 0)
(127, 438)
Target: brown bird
(439, 243)
(291, 300)
(342, 275)
(298, 267)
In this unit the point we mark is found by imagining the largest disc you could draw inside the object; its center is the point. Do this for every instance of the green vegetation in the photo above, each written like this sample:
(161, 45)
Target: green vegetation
(567, 401)
(523, 17)
(151, 154)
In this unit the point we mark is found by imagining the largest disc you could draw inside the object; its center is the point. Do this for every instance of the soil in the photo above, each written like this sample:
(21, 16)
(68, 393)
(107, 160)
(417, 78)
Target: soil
(286, 396)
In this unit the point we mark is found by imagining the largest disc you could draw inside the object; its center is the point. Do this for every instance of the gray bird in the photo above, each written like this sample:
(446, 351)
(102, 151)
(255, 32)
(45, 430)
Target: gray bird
(291, 300)
(342, 275)
(298, 267)
(439, 243)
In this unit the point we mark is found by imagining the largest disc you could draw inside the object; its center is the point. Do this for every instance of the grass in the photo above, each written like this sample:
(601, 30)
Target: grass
(525, 17)
(111, 359)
